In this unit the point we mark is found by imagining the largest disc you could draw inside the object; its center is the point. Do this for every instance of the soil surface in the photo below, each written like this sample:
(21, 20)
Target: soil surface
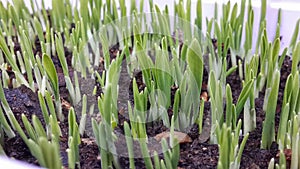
(198, 153)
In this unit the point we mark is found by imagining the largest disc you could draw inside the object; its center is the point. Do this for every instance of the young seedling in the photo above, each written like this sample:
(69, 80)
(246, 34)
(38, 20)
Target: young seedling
(74, 140)
(230, 151)
(268, 133)
(52, 76)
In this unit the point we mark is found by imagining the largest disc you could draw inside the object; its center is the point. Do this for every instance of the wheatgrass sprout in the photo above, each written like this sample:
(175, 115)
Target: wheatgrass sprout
(157, 108)
(229, 149)
(229, 32)
(145, 64)
(4, 12)
(5, 78)
(36, 131)
(249, 113)
(269, 58)
(46, 46)
(225, 22)
(268, 133)
(282, 57)
(8, 54)
(164, 22)
(103, 135)
(178, 64)
(52, 41)
(295, 143)
(218, 37)
(137, 32)
(139, 110)
(84, 114)
(2, 152)
(115, 12)
(262, 24)
(284, 116)
(251, 70)
(216, 62)
(113, 30)
(246, 91)
(277, 35)
(42, 148)
(52, 75)
(80, 59)
(230, 108)
(216, 99)
(26, 45)
(46, 152)
(4, 30)
(249, 34)
(5, 126)
(101, 78)
(61, 54)
(187, 102)
(103, 131)
(170, 152)
(58, 14)
(143, 144)
(237, 31)
(290, 105)
(295, 35)
(14, 14)
(43, 107)
(172, 156)
(53, 123)
(291, 142)
(93, 43)
(7, 110)
(2, 59)
(232, 111)
(74, 140)
(40, 80)
(111, 79)
(39, 29)
(19, 80)
(21, 9)
(201, 116)
(161, 73)
(155, 23)
(28, 68)
(282, 160)
(105, 49)
(184, 15)
(21, 62)
(198, 20)
(129, 143)
(74, 91)
(195, 63)
(105, 104)
(96, 13)
(75, 35)
(264, 50)
(272, 61)
(296, 59)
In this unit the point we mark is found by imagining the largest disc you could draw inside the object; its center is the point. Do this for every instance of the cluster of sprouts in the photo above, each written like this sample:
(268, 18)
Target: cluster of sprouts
(172, 52)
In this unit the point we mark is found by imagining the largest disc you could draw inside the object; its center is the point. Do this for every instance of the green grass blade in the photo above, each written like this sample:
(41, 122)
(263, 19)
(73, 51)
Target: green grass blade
(51, 73)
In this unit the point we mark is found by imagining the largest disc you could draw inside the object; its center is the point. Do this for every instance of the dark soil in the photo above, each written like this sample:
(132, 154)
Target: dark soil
(197, 154)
